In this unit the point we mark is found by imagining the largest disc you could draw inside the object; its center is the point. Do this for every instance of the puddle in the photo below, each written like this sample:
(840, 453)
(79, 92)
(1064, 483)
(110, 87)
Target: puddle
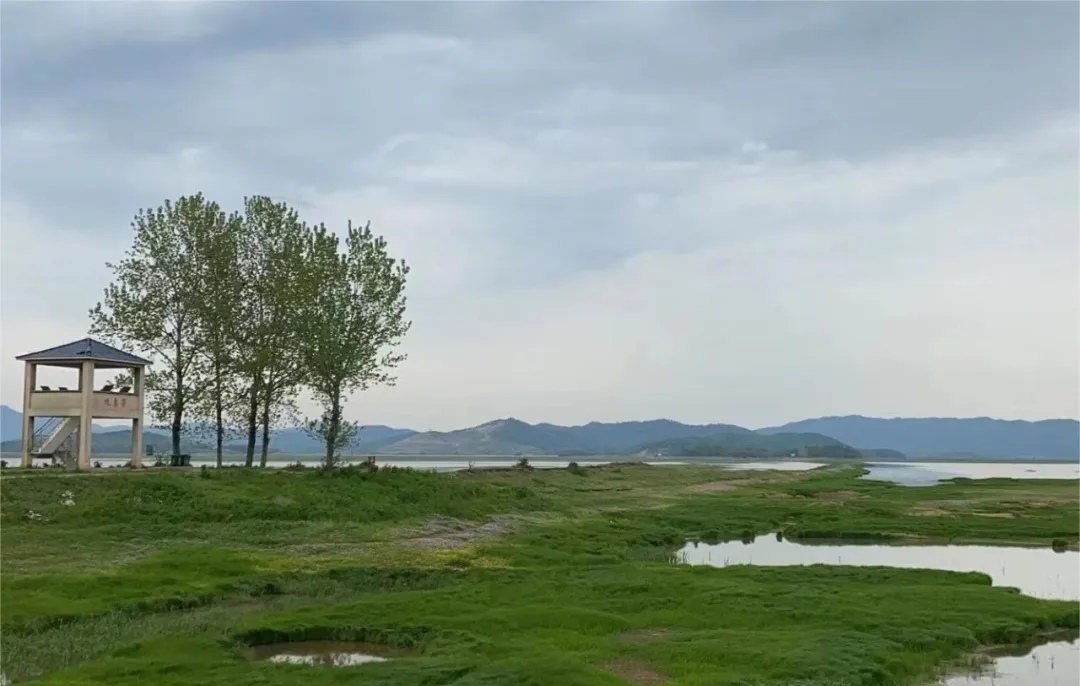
(1038, 572)
(322, 653)
(1051, 664)
(932, 473)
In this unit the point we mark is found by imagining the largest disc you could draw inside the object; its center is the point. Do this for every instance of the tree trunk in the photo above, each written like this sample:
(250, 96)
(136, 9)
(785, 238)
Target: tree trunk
(219, 429)
(332, 432)
(252, 424)
(265, 428)
(177, 418)
(219, 413)
(178, 397)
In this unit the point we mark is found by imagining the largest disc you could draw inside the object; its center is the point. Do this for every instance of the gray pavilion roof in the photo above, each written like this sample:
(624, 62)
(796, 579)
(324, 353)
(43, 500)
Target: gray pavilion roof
(84, 349)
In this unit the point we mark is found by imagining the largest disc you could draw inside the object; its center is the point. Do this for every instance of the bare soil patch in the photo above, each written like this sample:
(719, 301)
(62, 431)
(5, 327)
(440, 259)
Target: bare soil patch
(637, 672)
(447, 532)
(644, 636)
(923, 511)
(837, 495)
(720, 486)
(742, 482)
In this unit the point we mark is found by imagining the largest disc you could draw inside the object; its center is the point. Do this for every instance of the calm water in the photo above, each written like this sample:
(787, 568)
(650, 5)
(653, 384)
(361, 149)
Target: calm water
(930, 473)
(436, 464)
(1051, 664)
(321, 653)
(775, 465)
(904, 473)
(1038, 572)
(456, 464)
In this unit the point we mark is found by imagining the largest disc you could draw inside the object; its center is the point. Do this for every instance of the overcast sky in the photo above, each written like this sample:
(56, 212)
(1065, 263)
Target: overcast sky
(738, 212)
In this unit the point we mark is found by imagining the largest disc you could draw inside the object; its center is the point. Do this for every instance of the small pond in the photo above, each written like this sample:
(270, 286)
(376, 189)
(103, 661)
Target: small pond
(1039, 572)
(931, 473)
(1051, 664)
(322, 653)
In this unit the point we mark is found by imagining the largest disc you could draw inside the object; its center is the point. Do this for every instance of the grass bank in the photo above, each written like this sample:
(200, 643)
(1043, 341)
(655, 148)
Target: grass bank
(511, 577)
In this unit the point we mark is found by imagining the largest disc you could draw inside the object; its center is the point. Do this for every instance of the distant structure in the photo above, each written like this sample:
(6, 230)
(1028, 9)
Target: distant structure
(76, 410)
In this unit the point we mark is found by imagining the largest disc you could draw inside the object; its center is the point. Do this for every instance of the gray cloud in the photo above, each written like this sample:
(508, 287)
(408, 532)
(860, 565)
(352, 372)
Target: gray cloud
(737, 211)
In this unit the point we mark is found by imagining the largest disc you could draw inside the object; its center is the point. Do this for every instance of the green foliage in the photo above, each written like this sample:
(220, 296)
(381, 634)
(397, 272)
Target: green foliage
(334, 432)
(273, 269)
(218, 322)
(151, 305)
(354, 319)
(240, 311)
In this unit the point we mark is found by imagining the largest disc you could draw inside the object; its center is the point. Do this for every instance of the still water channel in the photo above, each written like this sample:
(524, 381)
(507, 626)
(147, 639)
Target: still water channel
(1038, 572)
(1051, 664)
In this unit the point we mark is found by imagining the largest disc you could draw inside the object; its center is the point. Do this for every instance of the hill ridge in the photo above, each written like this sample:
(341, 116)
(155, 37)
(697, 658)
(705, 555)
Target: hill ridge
(1053, 438)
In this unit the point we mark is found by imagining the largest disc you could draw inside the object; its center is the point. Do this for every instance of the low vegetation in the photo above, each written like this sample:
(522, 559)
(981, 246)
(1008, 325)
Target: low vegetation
(519, 576)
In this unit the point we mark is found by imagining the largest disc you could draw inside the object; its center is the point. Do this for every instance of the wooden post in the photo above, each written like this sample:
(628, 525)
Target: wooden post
(137, 422)
(29, 384)
(86, 416)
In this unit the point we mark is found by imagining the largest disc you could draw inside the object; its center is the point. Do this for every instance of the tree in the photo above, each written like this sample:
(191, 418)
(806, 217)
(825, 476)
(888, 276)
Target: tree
(217, 248)
(353, 321)
(268, 335)
(151, 305)
(336, 437)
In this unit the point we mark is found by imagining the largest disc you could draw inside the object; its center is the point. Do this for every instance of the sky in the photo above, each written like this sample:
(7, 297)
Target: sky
(711, 212)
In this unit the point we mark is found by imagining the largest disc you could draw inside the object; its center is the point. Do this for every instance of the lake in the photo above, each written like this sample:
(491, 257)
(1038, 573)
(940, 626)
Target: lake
(904, 473)
(930, 473)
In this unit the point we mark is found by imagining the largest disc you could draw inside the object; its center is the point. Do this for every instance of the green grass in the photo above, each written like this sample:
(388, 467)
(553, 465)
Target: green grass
(162, 577)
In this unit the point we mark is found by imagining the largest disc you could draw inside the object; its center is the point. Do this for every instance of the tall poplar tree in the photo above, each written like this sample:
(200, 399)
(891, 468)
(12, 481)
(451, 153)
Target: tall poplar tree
(353, 321)
(150, 306)
(268, 332)
(217, 247)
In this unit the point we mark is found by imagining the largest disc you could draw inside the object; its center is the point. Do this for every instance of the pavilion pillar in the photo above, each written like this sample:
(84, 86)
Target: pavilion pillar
(29, 384)
(137, 422)
(86, 415)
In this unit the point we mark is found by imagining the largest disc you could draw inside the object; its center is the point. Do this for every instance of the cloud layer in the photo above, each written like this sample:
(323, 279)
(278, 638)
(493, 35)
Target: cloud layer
(705, 211)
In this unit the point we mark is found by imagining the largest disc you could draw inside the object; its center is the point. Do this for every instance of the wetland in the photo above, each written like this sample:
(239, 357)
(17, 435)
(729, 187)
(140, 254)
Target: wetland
(545, 576)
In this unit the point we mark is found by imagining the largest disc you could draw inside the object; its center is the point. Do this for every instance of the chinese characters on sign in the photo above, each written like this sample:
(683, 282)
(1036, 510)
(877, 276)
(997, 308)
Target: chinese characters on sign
(116, 402)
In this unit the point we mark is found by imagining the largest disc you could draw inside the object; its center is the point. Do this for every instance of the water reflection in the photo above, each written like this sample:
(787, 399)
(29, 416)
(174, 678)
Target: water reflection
(1039, 572)
(321, 653)
(1052, 664)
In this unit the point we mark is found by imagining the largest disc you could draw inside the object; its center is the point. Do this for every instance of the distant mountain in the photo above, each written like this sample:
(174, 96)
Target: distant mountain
(296, 441)
(513, 436)
(118, 442)
(940, 437)
(873, 438)
(751, 444)
(11, 425)
(289, 441)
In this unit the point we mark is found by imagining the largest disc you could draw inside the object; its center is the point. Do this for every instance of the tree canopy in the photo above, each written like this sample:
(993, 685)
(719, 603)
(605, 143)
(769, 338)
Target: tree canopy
(242, 312)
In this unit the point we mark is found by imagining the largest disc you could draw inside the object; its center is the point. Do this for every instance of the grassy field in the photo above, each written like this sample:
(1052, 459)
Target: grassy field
(504, 577)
